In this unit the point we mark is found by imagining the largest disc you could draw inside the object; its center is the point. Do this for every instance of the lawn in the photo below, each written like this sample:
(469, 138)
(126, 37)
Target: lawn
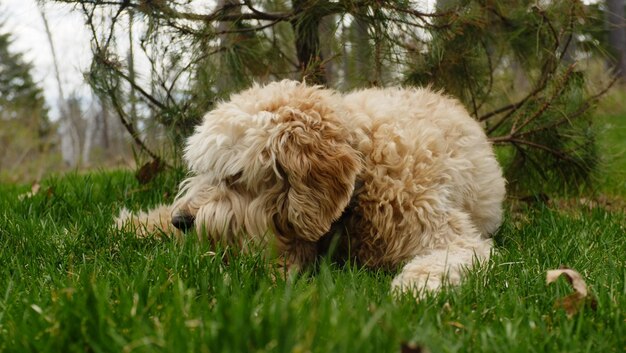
(69, 282)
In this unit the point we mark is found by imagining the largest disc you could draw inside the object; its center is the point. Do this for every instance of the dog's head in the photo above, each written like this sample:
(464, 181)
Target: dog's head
(274, 158)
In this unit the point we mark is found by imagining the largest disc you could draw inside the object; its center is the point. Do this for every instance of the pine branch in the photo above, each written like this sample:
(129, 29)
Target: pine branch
(580, 111)
(560, 87)
(515, 140)
(548, 70)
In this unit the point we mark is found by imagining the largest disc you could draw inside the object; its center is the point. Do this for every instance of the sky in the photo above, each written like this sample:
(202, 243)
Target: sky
(71, 38)
(23, 19)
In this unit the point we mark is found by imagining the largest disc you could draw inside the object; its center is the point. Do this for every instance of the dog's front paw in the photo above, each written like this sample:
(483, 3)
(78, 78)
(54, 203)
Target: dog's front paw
(426, 274)
(418, 284)
(156, 222)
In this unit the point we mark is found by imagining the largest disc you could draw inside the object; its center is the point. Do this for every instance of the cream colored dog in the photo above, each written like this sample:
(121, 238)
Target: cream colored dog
(404, 177)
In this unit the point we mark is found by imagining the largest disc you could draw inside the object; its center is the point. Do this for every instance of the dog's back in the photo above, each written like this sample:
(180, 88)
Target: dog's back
(424, 156)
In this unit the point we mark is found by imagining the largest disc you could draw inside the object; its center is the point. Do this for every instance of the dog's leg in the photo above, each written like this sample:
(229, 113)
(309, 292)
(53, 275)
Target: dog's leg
(297, 255)
(460, 246)
(155, 222)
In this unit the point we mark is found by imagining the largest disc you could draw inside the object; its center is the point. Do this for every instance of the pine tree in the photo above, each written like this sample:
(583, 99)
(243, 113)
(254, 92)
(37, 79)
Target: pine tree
(20, 97)
(512, 63)
(26, 133)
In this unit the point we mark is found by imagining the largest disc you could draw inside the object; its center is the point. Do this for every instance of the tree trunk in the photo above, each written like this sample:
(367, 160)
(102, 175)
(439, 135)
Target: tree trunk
(362, 54)
(131, 72)
(70, 143)
(103, 115)
(231, 8)
(327, 29)
(91, 126)
(445, 5)
(617, 36)
(305, 28)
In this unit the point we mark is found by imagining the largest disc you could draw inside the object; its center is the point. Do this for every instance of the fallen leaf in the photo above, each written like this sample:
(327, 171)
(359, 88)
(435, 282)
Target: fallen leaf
(149, 171)
(407, 347)
(36, 308)
(34, 189)
(574, 278)
(456, 324)
(573, 302)
(194, 323)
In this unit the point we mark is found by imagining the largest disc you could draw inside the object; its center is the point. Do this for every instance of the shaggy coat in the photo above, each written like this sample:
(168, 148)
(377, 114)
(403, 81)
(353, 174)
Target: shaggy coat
(404, 177)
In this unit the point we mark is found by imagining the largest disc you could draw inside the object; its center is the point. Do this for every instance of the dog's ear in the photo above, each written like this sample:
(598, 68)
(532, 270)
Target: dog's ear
(313, 156)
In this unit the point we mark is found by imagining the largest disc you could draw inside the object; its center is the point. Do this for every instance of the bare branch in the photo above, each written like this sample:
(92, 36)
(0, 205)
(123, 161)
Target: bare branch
(514, 140)
(132, 82)
(547, 103)
(580, 111)
(131, 129)
(161, 9)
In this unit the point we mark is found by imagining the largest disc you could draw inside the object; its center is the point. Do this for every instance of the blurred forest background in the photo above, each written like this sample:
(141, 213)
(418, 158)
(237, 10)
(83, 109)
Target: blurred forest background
(531, 71)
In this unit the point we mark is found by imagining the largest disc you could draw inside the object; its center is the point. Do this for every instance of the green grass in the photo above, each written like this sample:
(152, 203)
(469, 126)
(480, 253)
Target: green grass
(69, 283)
(611, 126)
(613, 141)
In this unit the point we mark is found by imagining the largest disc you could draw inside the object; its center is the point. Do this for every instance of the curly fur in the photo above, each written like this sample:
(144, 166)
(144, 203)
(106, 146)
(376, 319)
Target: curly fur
(411, 176)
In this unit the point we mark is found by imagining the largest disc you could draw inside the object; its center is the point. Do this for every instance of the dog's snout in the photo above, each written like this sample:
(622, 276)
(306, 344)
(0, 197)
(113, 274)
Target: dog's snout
(183, 221)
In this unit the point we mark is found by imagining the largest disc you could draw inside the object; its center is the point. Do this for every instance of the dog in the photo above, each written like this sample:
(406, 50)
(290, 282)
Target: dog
(402, 179)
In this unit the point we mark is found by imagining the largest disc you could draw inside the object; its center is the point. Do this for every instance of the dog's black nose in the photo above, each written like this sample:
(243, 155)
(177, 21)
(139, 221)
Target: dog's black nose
(183, 221)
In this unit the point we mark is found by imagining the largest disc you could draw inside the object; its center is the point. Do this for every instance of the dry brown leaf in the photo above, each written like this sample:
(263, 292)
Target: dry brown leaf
(149, 171)
(573, 277)
(407, 347)
(573, 302)
(456, 324)
(34, 189)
